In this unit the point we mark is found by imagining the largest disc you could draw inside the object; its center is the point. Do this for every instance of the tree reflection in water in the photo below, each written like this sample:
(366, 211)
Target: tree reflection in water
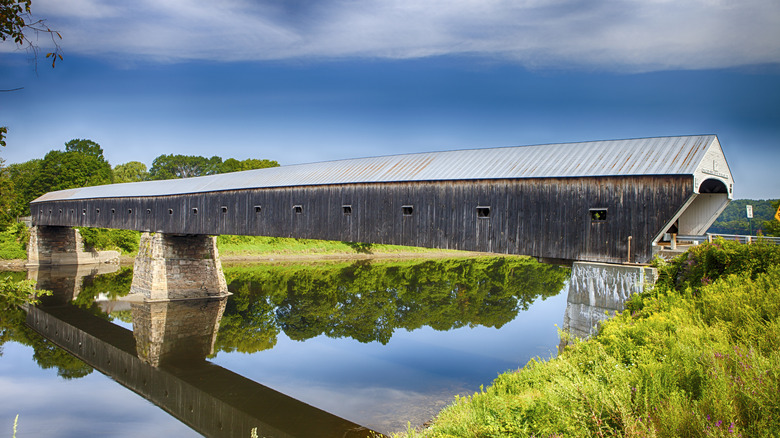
(368, 301)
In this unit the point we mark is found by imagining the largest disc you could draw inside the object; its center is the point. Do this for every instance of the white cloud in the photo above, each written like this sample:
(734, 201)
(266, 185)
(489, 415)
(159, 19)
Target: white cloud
(603, 34)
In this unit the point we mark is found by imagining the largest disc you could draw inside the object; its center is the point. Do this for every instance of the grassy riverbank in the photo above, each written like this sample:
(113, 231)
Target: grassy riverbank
(698, 356)
(13, 241)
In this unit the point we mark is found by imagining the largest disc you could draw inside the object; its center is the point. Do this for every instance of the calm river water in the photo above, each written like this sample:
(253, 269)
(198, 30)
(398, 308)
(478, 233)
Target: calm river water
(376, 344)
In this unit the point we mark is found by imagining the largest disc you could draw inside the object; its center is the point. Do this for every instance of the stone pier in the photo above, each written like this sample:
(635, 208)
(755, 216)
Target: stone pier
(57, 246)
(175, 331)
(599, 290)
(174, 267)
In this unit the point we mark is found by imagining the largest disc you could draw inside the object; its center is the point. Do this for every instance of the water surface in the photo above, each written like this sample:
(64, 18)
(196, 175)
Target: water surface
(378, 344)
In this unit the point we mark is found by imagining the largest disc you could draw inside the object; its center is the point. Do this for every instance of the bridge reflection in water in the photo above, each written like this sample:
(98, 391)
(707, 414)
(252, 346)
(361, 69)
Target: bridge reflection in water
(163, 360)
(164, 357)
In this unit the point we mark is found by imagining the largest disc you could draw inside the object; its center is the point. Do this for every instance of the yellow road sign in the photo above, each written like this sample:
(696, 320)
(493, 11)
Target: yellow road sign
(777, 214)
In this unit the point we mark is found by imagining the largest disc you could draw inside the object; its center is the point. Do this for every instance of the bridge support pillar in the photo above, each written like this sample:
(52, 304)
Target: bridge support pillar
(599, 290)
(63, 246)
(173, 331)
(173, 267)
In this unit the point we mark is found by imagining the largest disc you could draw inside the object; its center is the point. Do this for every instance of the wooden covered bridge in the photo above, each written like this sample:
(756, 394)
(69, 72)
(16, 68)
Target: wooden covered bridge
(602, 201)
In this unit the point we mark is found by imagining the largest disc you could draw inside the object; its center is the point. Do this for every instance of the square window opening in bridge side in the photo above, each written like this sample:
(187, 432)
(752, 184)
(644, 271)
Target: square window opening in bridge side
(407, 210)
(258, 209)
(148, 211)
(97, 211)
(83, 211)
(170, 211)
(194, 210)
(346, 209)
(598, 214)
(129, 211)
(298, 209)
(224, 209)
(113, 211)
(483, 211)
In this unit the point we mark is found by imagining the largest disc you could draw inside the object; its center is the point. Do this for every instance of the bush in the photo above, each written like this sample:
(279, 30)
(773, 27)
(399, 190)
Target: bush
(13, 242)
(110, 239)
(698, 356)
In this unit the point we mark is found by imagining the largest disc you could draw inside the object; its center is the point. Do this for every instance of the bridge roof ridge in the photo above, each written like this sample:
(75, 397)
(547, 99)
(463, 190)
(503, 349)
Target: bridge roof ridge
(641, 156)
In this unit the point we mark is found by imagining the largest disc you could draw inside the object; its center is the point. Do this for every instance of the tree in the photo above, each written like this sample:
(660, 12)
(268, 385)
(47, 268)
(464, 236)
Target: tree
(132, 171)
(16, 22)
(183, 166)
(772, 226)
(81, 165)
(26, 185)
(233, 165)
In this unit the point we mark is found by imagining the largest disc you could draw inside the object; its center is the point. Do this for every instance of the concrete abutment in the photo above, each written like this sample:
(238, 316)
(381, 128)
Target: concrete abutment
(597, 291)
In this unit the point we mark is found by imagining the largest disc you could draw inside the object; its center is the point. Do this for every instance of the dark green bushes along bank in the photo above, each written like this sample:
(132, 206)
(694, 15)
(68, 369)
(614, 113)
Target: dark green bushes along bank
(698, 356)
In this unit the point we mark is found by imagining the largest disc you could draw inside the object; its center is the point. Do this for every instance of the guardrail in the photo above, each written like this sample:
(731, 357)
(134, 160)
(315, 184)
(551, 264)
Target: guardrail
(738, 237)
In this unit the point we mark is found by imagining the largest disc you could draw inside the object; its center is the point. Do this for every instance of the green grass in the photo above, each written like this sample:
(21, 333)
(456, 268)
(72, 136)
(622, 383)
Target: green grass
(689, 358)
(253, 245)
(13, 241)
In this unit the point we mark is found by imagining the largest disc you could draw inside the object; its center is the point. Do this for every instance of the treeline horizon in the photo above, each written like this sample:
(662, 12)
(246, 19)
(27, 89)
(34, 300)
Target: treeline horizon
(734, 218)
(82, 164)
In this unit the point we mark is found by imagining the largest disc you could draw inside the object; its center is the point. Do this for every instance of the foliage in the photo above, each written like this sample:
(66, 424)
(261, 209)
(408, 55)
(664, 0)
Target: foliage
(15, 293)
(233, 165)
(703, 264)
(110, 239)
(369, 301)
(18, 293)
(16, 22)
(692, 358)
(27, 185)
(7, 199)
(183, 166)
(13, 242)
(132, 171)
(771, 227)
(81, 164)
(187, 166)
(734, 219)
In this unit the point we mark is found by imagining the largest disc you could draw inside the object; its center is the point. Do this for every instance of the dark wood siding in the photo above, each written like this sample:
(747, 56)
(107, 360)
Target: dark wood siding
(547, 218)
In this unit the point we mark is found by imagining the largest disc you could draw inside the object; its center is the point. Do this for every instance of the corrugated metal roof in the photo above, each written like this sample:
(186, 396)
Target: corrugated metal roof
(644, 156)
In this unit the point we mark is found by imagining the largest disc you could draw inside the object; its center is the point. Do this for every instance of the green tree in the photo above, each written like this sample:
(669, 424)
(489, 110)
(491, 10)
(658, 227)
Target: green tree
(26, 185)
(67, 170)
(771, 227)
(82, 164)
(183, 166)
(7, 199)
(233, 165)
(132, 171)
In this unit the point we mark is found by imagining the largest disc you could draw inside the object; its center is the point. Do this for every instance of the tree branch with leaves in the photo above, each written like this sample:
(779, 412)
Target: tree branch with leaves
(17, 22)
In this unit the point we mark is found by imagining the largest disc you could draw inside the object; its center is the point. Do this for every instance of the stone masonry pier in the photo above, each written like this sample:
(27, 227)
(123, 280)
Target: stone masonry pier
(58, 246)
(171, 267)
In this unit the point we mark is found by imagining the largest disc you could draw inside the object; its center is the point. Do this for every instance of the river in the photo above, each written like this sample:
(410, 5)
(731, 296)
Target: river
(376, 343)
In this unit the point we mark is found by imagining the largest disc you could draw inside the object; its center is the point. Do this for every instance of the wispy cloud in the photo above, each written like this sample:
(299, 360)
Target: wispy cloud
(638, 35)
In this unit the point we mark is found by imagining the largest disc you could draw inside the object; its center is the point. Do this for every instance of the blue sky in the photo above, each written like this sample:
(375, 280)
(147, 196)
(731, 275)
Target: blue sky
(301, 81)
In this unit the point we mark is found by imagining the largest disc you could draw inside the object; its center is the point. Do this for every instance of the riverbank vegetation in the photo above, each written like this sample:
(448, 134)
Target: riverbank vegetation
(14, 238)
(696, 356)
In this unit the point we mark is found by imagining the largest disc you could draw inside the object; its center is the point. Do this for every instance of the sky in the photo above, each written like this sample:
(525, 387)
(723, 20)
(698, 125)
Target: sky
(303, 81)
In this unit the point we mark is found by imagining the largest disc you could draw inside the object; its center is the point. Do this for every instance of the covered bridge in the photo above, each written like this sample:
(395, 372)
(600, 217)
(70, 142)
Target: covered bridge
(609, 201)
